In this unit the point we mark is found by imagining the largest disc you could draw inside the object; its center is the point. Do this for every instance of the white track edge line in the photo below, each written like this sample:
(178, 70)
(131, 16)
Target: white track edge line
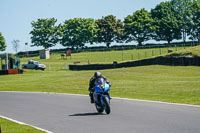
(139, 100)
(22, 123)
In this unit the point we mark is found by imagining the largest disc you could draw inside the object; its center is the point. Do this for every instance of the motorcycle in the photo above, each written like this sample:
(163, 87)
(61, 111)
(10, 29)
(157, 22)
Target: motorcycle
(101, 96)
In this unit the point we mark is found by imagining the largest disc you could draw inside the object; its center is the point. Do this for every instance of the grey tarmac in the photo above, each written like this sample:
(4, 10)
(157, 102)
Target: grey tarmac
(60, 113)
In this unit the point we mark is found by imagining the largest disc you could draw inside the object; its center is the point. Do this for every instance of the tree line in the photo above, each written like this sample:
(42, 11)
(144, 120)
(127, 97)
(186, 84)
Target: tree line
(2, 42)
(168, 21)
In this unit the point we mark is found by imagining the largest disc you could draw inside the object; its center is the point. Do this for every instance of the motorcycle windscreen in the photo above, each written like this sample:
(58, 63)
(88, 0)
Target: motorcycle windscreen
(98, 85)
(99, 81)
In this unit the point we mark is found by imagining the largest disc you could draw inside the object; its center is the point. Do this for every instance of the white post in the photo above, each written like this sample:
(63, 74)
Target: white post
(65, 66)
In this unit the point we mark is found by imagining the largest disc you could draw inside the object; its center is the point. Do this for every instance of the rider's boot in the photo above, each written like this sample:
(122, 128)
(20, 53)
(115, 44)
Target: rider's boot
(91, 97)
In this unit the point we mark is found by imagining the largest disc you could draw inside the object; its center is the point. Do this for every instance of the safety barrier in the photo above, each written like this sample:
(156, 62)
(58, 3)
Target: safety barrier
(11, 71)
(162, 60)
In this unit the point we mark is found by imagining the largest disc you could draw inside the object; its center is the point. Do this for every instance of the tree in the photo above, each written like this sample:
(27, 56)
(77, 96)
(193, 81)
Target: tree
(15, 44)
(110, 29)
(194, 30)
(139, 26)
(182, 7)
(2, 43)
(167, 21)
(44, 33)
(78, 31)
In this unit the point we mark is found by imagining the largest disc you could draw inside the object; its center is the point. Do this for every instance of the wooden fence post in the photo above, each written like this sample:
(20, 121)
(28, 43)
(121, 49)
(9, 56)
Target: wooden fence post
(122, 55)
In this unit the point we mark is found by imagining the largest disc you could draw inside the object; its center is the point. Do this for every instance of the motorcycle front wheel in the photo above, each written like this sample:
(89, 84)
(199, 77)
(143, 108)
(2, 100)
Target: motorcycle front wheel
(99, 108)
(107, 105)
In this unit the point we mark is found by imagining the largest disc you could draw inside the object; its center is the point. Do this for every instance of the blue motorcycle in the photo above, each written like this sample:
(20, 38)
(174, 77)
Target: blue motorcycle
(101, 96)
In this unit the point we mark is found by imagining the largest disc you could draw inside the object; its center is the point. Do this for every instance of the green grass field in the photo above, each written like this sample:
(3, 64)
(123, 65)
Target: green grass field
(56, 63)
(12, 127)
(161, 83)
(177, 84)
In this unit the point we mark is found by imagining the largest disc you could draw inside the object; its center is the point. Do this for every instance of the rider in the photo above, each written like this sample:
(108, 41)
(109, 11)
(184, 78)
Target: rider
(91, 84)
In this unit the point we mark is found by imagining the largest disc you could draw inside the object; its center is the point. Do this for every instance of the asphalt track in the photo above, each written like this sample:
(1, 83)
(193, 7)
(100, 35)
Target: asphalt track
(60, 113)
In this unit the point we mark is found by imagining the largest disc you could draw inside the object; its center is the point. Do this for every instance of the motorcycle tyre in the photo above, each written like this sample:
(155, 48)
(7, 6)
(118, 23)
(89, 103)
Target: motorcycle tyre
(99, 109)
(107, 105)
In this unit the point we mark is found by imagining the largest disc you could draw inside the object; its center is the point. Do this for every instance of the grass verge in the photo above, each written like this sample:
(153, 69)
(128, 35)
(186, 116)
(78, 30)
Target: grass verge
(12, 127)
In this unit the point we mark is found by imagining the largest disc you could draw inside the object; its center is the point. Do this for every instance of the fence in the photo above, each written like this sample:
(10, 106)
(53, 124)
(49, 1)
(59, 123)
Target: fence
(112, 48)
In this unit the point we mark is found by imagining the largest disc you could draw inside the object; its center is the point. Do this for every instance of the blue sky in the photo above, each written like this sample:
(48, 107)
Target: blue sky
(16, 15)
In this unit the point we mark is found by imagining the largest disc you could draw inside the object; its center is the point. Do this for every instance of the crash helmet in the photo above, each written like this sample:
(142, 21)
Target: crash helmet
(97, 75)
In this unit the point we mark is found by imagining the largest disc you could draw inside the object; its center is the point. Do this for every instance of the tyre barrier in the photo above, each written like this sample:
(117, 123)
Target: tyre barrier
(11, 71)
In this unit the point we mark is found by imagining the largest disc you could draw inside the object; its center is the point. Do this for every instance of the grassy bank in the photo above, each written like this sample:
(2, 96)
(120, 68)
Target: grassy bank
(195, 51)
(12, 127)
(110, 56)
(161, 83)
(55, 63)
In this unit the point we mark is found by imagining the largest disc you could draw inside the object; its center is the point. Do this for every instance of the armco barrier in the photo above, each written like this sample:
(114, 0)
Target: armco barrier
(162, 60)
(91, 67)
(3, 72)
